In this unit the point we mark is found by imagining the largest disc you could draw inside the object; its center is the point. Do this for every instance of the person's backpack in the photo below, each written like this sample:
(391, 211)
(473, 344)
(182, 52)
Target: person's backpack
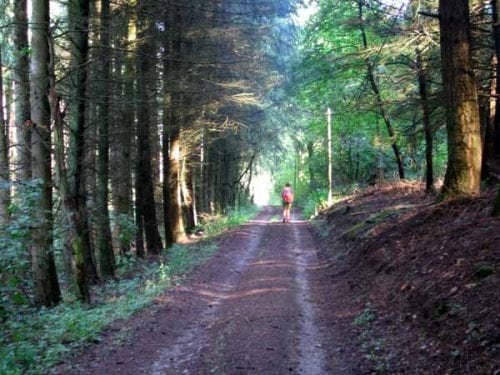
(287, 196)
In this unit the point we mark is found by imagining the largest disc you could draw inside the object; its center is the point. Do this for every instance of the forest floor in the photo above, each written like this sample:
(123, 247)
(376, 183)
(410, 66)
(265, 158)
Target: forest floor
(387, 281)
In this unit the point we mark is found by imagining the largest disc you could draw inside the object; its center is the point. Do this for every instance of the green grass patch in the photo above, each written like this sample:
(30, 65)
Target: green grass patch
(33, 341)
(213, 225)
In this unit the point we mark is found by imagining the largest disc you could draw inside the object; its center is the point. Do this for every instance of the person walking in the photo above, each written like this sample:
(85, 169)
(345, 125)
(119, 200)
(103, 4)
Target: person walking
(287, 198)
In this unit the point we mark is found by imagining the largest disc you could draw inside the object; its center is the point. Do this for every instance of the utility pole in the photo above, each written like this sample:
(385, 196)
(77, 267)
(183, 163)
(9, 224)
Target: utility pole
(330, 168)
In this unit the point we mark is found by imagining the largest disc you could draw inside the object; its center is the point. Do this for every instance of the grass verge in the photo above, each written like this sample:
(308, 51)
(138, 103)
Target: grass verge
(33, 341)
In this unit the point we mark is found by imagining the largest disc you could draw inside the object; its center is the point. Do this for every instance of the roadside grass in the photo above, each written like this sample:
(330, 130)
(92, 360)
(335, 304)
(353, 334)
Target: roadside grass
(34, 340)
(213, 225)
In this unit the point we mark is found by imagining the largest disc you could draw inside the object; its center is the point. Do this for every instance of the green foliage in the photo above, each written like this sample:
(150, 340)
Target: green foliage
(15, 283)
(314, 202)
(330, 70)
(125, 226)
(35, 340)
(212, 225)
(365, 318)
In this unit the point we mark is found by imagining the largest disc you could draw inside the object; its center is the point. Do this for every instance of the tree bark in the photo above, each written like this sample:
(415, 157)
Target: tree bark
(496, 205)
(176, 230)
(121, 150)
(79, 33)
(46, 285)
(104, 241)
(144, 172)
(463, 174)
(74, 221)
(22, 91)
(166, 185)
(491, 136)
(378, 97)
(426, 117)
(496, 29)
(176, 221)
(488, 133)
(4, 158)
(189, 186)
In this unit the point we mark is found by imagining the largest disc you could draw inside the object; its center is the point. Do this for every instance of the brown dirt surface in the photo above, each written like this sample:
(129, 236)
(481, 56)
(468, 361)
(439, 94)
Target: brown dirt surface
(255, 307)
(424, 278)
(387, 281)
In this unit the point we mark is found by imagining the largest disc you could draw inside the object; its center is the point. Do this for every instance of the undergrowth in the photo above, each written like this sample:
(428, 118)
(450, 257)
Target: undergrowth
(33, 341)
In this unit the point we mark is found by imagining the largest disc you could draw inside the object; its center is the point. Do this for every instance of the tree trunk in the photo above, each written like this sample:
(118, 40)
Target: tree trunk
(73, 218)
(166, 185)
(144, 171)
(463, 174)
(496, 205)
(104, 242)
(77, 241)
(426, 116)
(488, 133)
(139, 221)
(4, 158)
(189, 195)
(79, 31)
(491, 144)
(310, 155)
(176, 221)
(46, 285)
(121, 149)
(22, 91)
(496, 128)
(378, 97)
(173, 179)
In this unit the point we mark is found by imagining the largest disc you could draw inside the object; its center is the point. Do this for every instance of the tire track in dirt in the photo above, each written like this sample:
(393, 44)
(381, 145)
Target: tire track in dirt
(262, 320)
(254, 308)
(313, 358)
(192, 344)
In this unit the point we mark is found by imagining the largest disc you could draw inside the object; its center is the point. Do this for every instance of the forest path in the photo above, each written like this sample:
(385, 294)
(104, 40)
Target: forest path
(254, 308)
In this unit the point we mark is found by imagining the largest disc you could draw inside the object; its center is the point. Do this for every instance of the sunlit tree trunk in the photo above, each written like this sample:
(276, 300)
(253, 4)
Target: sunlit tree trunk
(22, 91)
(104, 242)
(173, 179)
(46, 286)
(463, 174)
(175, 205)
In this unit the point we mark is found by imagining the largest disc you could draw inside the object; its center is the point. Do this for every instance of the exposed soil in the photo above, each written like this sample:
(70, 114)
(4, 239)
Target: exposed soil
(385, 282)
(424, 280)
(256, 307)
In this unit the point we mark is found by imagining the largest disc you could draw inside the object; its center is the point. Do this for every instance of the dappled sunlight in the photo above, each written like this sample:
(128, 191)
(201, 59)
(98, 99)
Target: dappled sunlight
(319, 266)
(272, 263)
(269, 280)
(215, 297)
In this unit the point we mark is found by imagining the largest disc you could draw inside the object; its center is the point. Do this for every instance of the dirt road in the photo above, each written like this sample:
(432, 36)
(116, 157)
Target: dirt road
(254, 308)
